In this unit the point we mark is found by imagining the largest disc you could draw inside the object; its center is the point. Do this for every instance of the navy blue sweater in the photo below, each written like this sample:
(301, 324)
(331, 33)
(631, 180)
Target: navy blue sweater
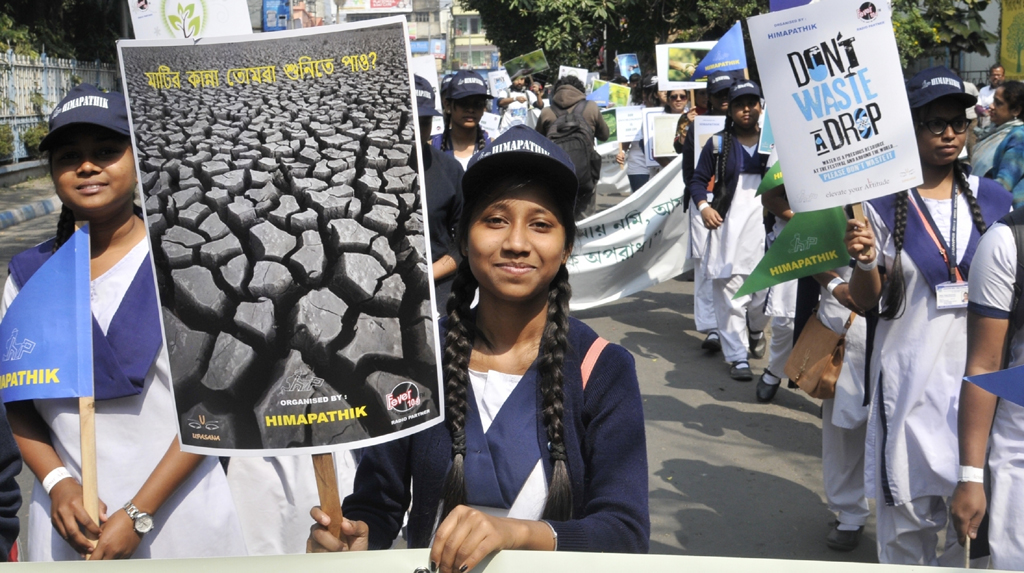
(706, 167)
(607, 458)
(10, 494)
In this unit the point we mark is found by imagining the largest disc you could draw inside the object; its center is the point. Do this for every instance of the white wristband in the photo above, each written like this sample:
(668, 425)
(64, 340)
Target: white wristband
(704, 205)
(55, 476)
(868, 266)
(833, 284)
(971, 474)
(553, 532)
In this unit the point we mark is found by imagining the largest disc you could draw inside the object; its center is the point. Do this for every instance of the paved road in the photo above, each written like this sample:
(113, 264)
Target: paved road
(728, 476)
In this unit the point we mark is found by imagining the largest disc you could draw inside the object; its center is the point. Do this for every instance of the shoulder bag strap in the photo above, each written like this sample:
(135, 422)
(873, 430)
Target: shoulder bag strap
(590, 360)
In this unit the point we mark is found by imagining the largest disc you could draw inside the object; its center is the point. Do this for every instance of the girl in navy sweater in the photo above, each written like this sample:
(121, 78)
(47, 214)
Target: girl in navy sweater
(733, 216)
(543, 446)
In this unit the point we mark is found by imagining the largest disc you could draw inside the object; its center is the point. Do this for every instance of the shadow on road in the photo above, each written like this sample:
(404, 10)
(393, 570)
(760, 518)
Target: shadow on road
(712, 420)
(723, 505)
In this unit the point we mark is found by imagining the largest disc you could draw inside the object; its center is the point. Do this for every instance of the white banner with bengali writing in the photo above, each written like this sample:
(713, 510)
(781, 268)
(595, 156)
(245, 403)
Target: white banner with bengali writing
(634, 245)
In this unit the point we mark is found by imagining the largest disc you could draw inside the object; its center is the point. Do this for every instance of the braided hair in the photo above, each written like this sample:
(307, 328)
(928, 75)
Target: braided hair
(65, 227)
(895, 290)
(458, 347)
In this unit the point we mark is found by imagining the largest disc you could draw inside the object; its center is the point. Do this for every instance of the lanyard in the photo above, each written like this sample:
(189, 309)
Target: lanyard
(933, 231)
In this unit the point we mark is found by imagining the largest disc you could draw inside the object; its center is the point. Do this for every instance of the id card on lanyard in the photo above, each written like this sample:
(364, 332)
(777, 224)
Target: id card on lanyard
(953, 293)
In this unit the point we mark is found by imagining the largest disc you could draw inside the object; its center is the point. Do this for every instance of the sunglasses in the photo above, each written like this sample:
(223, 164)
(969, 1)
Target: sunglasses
(675, 97)
(938, 126)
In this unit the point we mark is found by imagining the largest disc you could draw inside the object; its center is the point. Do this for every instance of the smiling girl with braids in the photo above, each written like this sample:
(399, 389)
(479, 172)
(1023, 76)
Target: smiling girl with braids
(543, 446)
(914, 253)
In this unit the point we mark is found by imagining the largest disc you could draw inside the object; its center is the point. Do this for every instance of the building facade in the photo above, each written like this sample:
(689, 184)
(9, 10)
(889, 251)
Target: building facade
(470, 50)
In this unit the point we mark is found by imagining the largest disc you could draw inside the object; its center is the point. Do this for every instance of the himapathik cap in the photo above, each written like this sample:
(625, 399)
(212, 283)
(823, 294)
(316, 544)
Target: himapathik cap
(524, 151)
(718, 81)
(650, 82)
(425, 98)
(742, 88)
(934, 83)
(466, 84)
(85, 103)
(445, 82)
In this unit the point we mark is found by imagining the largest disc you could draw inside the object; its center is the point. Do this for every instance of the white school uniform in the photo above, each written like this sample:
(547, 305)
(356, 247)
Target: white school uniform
(274, 496)
(703, 294)
(991, 289)
(780, 304)
(733, 251)
(843, 418)
(911, 454)
(132, 436)
(490, 391)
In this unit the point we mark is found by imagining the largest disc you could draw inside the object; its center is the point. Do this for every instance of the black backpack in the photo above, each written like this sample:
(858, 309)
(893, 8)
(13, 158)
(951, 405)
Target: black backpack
(573, 134)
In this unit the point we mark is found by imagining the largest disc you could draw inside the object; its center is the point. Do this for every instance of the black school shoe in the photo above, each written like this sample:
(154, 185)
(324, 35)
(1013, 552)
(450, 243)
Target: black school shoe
(843, 540)
(758, 346)
(765, 391)
(740, 370)
(712, 343)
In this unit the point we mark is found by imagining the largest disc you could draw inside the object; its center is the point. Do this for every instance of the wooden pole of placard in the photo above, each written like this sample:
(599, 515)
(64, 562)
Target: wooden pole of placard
(90, 488)
(858, 211)
(87, 428)
(327, 488)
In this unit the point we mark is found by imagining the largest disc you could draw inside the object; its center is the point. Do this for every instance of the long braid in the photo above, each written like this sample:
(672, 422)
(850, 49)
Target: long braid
(723, 159)
(553, 346)
(895, 291)
(65, 227)
(972, 201)
(458, 346)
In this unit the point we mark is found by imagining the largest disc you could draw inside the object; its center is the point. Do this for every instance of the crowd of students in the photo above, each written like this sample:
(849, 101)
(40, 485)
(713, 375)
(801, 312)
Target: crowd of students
(543, 445)
(904, 427)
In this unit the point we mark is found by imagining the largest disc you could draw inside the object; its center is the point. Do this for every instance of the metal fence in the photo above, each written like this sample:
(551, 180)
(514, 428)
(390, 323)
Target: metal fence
(30, 87)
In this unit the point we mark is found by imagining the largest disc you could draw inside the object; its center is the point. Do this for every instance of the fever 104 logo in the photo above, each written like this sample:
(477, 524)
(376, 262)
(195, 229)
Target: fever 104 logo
(403, 398)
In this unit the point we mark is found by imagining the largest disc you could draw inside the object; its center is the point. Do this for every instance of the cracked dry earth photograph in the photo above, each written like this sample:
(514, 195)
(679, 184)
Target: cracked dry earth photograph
(279, 181)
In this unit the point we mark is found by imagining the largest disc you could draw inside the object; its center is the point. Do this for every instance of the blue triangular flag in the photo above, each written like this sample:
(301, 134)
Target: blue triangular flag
(601, 95)
(1005, 383)
(727, 55)
(47, 331)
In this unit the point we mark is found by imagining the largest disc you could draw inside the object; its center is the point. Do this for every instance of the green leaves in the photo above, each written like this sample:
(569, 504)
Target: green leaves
(186, 21)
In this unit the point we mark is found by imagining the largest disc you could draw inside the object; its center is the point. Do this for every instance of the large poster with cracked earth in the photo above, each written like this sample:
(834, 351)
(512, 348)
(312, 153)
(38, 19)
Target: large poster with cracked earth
(279, 181)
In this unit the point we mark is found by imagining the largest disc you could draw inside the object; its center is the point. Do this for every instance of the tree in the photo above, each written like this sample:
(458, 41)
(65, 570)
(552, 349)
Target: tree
(934, 26)
(80, 29)
(1015, 37)
(571, 32)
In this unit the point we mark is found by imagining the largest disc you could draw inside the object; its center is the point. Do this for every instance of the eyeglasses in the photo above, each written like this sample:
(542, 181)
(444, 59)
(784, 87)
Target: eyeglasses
(938, 126)
(675, 97)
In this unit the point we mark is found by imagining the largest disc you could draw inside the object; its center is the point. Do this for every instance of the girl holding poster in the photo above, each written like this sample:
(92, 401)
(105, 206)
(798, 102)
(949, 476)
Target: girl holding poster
(155, 500)
(733, 215)
(914, 253)
(544, 444)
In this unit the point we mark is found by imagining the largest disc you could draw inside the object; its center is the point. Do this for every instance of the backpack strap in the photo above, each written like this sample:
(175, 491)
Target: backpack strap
(1015, 221)
(590, 360)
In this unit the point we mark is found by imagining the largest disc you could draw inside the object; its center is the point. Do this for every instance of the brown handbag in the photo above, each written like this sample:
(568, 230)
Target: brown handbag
(817, 358)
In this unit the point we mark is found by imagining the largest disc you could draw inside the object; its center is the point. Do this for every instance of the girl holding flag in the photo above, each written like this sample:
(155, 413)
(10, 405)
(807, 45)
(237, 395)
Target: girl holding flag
(914, 253)
(543, 446)
(733, 215)
(155, 500)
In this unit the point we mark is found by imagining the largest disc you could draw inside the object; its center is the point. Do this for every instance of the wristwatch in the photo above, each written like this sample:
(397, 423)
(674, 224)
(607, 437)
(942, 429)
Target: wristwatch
(143, 521)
